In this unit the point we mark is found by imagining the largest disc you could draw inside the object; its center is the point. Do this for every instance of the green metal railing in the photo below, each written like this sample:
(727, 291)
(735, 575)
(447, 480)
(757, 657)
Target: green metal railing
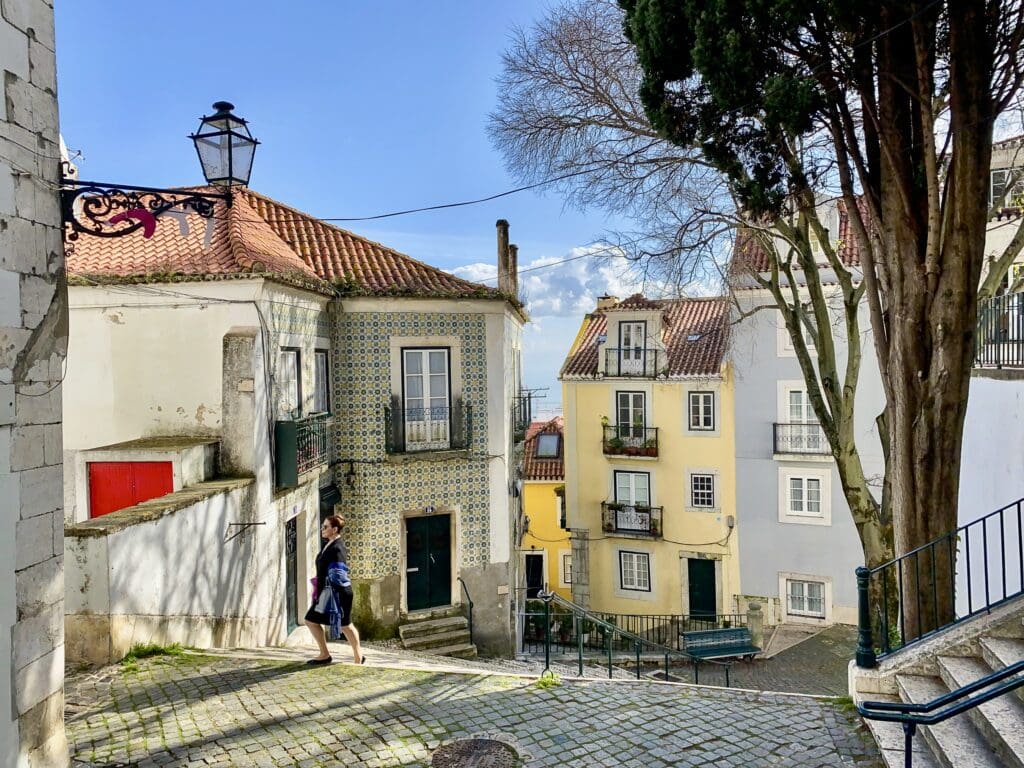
(613, 639)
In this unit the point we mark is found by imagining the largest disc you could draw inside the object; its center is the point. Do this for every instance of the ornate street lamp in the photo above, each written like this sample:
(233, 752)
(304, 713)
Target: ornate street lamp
(225, 148)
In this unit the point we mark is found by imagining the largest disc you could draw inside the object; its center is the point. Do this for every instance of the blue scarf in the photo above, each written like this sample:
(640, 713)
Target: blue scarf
(337, 578)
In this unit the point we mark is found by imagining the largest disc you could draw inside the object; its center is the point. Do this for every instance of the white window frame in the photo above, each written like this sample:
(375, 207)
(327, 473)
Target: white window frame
(431, 431)
(785, 416)
(1004, 173)
(803, 616)
(289, 388)
(702, 395)
(321, 388)
(632, 501)
(565, 574)
(786, 513)
(692, 491)
(785, 342)
(638, 559)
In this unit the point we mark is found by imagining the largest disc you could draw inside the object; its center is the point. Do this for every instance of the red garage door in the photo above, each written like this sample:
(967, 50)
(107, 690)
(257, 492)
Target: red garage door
(115, 485)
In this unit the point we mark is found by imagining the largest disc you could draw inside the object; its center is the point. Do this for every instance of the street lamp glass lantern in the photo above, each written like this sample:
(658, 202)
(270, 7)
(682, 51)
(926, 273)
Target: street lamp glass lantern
(225, 147)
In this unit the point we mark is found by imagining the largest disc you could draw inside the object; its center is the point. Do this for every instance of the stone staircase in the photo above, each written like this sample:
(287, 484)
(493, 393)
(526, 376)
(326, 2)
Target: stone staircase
(443, 633)
(988, 735)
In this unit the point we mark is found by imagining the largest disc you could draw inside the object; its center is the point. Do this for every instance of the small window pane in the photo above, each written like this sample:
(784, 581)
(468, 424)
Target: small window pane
(413, 361)
(567, 569)
(321, 395)
(702, 490)
(547, 446)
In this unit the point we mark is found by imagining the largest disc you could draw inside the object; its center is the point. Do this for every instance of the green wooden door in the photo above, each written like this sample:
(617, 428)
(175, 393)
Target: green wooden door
(428, 569)
(702, 587)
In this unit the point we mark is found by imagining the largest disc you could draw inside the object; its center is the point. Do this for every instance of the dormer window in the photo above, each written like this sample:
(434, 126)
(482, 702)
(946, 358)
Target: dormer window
(547, 447)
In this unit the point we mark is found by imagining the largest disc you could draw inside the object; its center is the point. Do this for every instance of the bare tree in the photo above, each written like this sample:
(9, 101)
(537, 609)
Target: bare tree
(569, 108)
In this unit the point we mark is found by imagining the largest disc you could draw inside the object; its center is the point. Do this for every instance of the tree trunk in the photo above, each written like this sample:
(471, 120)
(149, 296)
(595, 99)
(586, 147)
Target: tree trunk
(933, 306)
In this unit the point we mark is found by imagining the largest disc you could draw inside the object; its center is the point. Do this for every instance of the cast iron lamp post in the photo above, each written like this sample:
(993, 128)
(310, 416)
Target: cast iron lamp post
(225, 148)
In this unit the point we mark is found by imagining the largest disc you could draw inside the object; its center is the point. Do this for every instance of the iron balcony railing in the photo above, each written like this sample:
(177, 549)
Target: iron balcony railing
(635, 362)
(300, 445)
(999, 341)
(806, 438)
(636, 519)
(630, 440)
(522, 414)
(942, 583)
(414, 430)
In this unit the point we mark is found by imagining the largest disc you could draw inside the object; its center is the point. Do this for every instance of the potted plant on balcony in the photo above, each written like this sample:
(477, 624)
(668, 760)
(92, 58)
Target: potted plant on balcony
(655, 527)
(614, 445)
(651, 447)
(586, 627)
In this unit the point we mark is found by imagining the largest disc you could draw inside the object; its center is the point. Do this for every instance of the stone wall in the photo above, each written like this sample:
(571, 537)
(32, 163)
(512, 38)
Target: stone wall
(33, 342)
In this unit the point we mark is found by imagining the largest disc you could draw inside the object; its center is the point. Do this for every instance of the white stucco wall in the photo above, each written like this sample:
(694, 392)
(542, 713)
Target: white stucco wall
(226, 588)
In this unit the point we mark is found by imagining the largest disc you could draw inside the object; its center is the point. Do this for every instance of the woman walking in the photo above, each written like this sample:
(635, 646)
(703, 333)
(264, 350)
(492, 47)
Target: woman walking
(332, 594)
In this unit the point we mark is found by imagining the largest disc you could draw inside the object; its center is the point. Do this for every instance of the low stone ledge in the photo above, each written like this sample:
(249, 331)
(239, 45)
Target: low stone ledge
(154, 509)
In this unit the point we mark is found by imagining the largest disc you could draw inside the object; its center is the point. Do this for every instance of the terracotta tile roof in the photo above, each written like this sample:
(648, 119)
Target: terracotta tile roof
(636, 301)
(547, 470)
(694, 334)
(355, 264)
(749, 256)
(260, 236)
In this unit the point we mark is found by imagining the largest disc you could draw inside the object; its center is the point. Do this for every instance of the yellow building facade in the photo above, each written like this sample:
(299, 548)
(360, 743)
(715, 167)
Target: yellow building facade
(546, 549)
(647, 399)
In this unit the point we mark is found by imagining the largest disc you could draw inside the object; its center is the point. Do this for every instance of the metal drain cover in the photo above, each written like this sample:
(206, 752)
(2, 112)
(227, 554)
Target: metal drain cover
(475, 753)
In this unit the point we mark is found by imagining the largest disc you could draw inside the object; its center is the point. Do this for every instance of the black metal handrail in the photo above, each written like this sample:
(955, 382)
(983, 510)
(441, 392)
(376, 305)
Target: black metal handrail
(636, 519)
(630, 440)
(633, 362)
(469, 604)
(613, 636)
(977, 567)
(438, 428)
(999, 339)
(801, 438)
(913, 715)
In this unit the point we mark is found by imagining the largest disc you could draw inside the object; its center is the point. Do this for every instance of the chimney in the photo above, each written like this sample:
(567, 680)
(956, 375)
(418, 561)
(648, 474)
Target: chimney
(607, 301)
(513, 270)
(504, 278)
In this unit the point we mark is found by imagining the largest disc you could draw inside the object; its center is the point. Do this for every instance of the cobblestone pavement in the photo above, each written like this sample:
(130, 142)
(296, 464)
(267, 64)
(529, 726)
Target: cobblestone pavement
(201, 710)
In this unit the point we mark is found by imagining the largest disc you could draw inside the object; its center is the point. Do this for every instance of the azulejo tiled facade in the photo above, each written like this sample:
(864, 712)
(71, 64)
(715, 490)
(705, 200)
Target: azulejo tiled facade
(381, 491)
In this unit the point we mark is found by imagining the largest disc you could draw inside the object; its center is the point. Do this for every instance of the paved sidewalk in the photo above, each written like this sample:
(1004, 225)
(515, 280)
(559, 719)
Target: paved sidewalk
(228, 710)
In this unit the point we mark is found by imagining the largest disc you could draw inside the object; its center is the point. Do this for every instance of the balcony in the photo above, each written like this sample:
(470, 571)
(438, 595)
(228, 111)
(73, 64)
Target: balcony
(634, 363)
(632, 519)
(630, 440)
(999, 340)
(803, 439)
(300, 445)
(420, 430)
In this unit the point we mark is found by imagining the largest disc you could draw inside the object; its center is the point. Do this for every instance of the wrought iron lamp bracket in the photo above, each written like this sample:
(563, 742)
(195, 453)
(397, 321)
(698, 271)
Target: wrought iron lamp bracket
(102, 209)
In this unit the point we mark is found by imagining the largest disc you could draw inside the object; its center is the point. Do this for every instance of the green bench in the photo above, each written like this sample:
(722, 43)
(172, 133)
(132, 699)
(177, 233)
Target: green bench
(712, 644)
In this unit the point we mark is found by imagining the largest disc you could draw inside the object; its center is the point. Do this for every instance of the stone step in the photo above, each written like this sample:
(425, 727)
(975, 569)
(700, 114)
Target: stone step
(430, 626)
(1001, 652)
(1000, 721)
(436, 640)
(955, 743)
(430, 614)
(459, 650)
(889, 737)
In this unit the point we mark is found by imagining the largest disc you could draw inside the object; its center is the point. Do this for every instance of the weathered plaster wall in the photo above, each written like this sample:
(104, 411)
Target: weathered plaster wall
(474, 490)
(33, 338)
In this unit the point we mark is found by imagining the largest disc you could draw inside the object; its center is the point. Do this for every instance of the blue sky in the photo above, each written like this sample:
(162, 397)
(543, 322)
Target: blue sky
(361, 108)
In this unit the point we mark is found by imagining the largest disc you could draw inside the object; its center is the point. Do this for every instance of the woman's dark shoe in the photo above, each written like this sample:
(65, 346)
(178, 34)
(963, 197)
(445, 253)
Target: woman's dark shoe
(363, 661)
(319, 662)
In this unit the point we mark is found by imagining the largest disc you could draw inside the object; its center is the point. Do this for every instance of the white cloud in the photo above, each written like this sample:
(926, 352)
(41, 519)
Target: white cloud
(567, 288)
